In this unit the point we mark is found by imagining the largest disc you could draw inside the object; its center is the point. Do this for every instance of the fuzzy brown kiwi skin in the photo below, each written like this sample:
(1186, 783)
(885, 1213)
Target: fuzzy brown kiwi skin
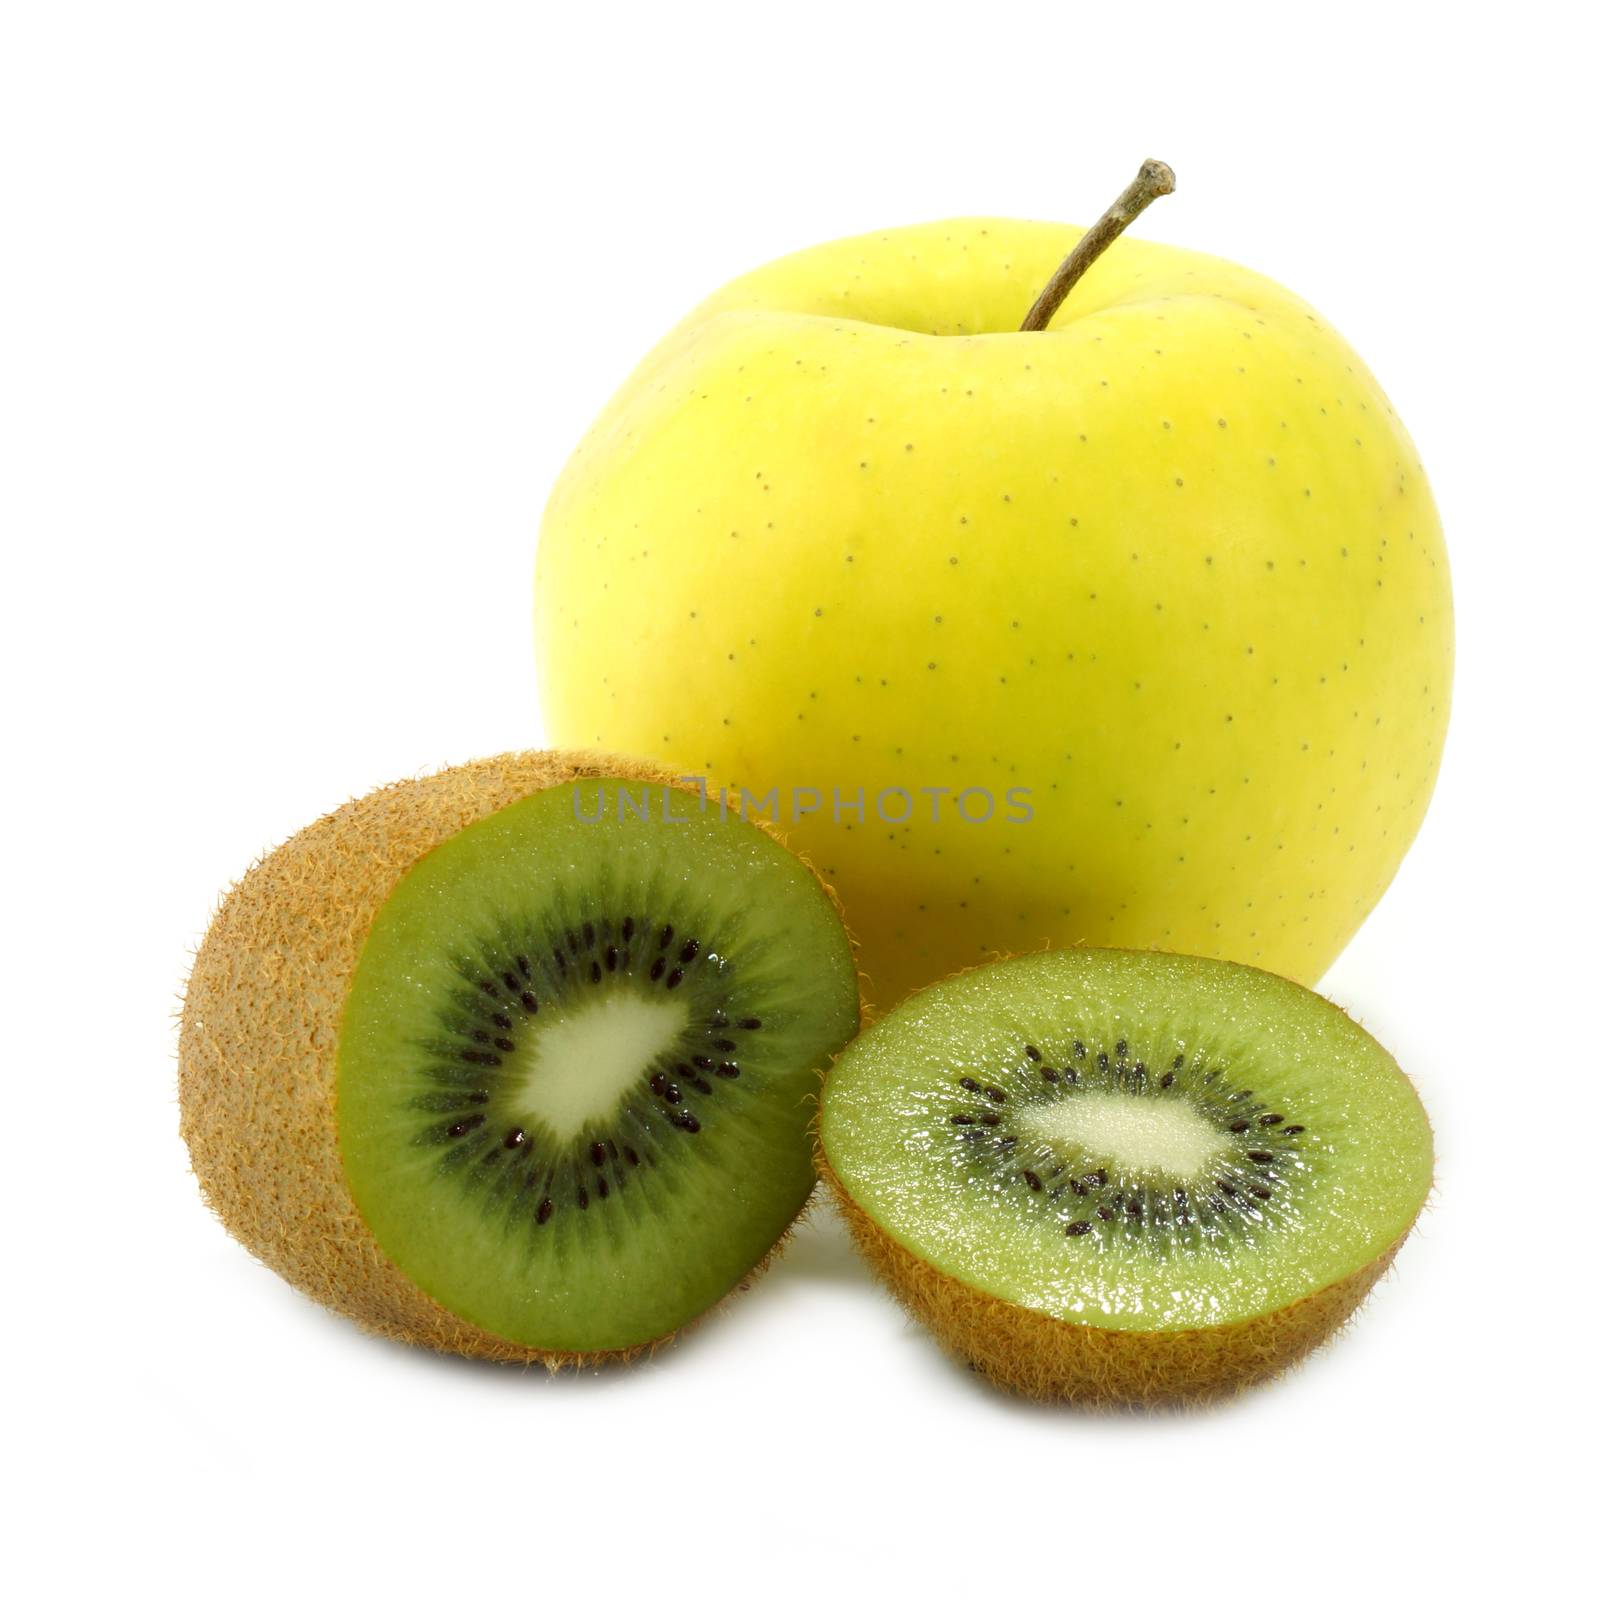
(258, 1042)
(1043, 1358)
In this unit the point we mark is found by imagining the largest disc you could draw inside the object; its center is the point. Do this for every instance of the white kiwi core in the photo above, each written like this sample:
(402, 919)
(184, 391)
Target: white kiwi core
(1139, 1136)
(584, 1061)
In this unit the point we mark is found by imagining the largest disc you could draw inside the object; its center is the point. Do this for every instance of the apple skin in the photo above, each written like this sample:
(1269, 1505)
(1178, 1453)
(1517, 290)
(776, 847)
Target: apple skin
(1171, 566)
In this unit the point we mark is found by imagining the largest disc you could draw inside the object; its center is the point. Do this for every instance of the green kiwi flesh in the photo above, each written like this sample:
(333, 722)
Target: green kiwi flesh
(1144, 1144)
(576, 1061)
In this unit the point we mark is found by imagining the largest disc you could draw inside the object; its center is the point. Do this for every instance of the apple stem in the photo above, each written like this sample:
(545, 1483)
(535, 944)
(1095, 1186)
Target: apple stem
(1154, 180)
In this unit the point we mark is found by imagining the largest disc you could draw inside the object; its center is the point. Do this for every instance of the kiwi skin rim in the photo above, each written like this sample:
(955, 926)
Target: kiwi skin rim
(259, 1041)
(1047, 1359)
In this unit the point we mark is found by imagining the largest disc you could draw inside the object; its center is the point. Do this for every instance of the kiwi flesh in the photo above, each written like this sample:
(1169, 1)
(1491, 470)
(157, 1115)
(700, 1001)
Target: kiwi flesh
(516, 1060)
(1120, 1178)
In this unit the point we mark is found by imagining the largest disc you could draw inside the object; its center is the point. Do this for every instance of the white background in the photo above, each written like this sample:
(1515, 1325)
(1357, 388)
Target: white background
(301, 308)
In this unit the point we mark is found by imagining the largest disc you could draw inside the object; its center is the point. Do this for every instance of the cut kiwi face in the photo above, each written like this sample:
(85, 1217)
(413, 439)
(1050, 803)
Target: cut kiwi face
(575, 1063)
(1117, 1177)
(518, 1060)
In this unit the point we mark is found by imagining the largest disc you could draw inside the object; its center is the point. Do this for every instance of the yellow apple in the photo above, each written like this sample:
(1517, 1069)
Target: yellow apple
(1165, 582)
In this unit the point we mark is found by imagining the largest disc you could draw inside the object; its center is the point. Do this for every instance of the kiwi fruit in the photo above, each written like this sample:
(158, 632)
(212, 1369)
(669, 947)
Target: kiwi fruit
(516, 1060)
(1119, 1178)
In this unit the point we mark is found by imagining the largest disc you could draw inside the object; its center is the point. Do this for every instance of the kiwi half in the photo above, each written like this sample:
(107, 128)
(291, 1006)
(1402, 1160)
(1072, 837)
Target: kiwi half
(516, 1060)
(1119, 1178)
